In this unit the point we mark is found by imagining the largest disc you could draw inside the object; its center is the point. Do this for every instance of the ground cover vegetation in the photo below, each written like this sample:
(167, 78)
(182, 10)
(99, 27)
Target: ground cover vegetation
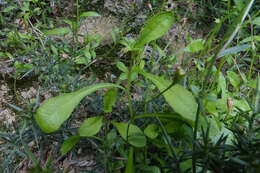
(136, 103)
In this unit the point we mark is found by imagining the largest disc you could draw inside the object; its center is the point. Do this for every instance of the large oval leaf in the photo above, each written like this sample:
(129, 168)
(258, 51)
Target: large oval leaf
(180, 99)
(90, 126)
(55, 111)
(156, 27)
(135, 136)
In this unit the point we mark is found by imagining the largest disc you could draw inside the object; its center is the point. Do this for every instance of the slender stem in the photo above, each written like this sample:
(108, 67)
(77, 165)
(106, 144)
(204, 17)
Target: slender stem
(226, 45)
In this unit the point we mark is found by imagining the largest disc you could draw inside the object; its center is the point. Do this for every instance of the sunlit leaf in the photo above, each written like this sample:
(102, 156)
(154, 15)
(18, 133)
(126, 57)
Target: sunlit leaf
(109, 100)
(180, 99)
(91, 126)
(56, 110)
(156, 27)
(89, 14)
(194, 46)
(58, 31)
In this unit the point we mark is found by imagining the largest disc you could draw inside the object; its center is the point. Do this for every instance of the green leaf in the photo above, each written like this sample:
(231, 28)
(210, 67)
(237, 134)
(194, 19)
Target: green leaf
(234, 50)
(156, 27)
(234, 79)
(130, 161)
(8, 9)
(152, 131)
(256, 21)
(55, 111)
(194, 46)
(121, 66)
(135, 135)
(58, 31)
(89, 14)
(248, 39)
(90, 126)
(69, 143)
(109, 100)
(180, 99)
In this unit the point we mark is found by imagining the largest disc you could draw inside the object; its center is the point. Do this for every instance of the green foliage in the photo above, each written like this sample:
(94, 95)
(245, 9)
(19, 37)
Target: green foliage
(56, 110)
(205, 117)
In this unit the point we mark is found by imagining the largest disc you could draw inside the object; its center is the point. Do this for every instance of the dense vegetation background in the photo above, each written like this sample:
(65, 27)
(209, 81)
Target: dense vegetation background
(129, 86)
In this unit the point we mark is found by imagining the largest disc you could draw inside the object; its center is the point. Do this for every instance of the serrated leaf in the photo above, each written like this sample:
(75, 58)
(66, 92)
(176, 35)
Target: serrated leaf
(156, 27)
(91, 126)
(135, 135)
(109, 100)
(89, 14)
(69, 143)
(50, 115)
(180, 99)
(58, 31)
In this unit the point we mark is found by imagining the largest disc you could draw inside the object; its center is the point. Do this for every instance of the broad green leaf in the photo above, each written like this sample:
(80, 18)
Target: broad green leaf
(194, 46)
(90, 126)
(58, 31)
(234, 79)
(121, 66)
(248, 39)
(156, 27)
(135, 135)
(109, 100)
(56, 110)
(130, 161)
(89, 14)
(256, 21)
(179, 98)
(69, 143)
(152, 131)
(234, 50)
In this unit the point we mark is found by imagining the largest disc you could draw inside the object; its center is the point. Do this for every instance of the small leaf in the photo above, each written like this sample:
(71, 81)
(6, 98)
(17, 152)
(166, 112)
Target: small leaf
(89, 14)
(156, 27)
(151, 131)
(109, 100)
(248, 39)
(135, 135)
(234, 79)
(121, 66)
(69, 143)
(56, 110)
(91, 126)
(8, 9)
(180, 99)
(130, 161)
(58, 31)
(256, 21)
(194, 46)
